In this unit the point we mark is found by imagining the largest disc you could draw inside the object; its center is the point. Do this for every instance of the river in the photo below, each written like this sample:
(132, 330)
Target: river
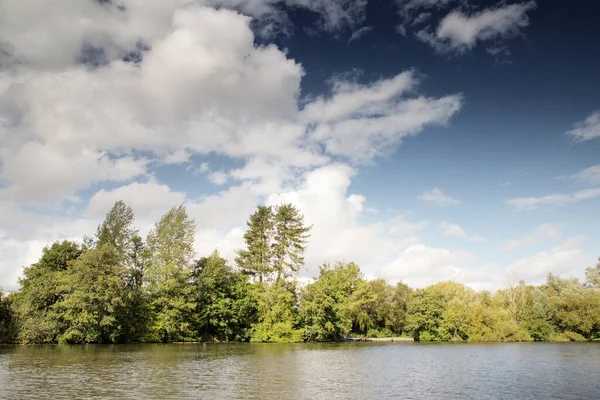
(302, 371)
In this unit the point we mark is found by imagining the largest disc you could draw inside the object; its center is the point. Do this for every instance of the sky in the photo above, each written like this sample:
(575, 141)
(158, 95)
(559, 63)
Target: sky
(425, 140)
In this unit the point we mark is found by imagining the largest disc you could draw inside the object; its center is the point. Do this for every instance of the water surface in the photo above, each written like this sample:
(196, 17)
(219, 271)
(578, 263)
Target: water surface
(302, 371)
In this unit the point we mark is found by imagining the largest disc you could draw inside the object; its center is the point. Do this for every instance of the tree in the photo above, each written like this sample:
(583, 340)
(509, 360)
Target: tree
(289, 241)
(592, 275)
(94, 308)
(168, 273)
(34, 305)
(439, 312)
(6, 319)
(117, 230)
(256, 258)
(278, 319)
(325, 306)
(225, 305)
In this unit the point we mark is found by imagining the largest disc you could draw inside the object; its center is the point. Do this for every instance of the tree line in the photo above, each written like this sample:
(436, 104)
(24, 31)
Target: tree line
(116, 287)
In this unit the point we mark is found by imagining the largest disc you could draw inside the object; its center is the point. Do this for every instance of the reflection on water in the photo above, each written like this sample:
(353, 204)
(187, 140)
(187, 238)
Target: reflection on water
(302, 371)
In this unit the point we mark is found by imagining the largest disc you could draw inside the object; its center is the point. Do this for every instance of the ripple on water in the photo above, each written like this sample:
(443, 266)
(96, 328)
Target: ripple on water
(302, 371)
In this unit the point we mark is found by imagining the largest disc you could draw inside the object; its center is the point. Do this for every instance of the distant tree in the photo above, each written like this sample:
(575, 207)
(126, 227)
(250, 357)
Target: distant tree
(168, 271)
(34, 305)
(94, 307)
(225, 305)
(278, 319)
(256, 258)
(289, 241)
(592, 275)
(117, 230)
(326, 304)
(7, 330)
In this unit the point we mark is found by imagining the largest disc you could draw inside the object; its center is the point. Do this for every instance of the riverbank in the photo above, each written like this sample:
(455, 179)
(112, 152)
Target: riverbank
(383, 339)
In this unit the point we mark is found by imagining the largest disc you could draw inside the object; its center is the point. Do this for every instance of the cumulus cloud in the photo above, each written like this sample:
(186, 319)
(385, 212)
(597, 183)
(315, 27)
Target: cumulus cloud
(460, 32)
(95, 98)
(587, 129)
(541, 233)
(337, 233)
(437, 196)
(531, 203)
(565, 260)
(420, 265)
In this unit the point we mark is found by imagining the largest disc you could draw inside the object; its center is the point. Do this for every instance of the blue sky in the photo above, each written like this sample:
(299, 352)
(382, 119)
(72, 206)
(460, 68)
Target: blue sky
(425, 140)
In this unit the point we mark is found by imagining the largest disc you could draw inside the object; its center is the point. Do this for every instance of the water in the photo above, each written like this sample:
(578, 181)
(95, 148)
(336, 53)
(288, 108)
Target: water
(302, 371)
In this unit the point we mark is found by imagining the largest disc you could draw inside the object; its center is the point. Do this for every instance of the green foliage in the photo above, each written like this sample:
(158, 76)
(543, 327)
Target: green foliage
(325, 304)
(170, 248)
(116, 230)
(34, 305)
(118, 288)
(592, 276)
(225, 305)
(278, 319)
(440, 312)
(7, 328)
(94, 306)
(289, 241)
(256, 258)
(275, 243)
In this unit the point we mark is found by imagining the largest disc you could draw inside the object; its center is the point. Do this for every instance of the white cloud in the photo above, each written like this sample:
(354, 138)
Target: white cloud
(587, 129)
(420, 265)
(531, 203)
(401, 226)
(438, 197)
(461, 32)
(203, 168)
(412, 5)
(360, 33)
(565, 260)
(170, 82)
(337, 233)
(363, 121)
(450, 229)
(454, 230)
(218, 177)
(589, 176)
(541, 233)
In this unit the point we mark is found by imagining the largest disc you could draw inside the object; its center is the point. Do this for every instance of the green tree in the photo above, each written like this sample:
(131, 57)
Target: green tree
(225, 305)
(168, 271)
(278, 318)
(34, 305)
(117, 230)
(325, 304)
(256, 258)
(439, 312)
(289, 241)
(592, 275)
(7, 330)
(94, 307)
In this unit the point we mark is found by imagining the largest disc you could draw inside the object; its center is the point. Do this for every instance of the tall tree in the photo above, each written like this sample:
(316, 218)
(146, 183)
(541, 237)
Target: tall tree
(117, 230)
(289, 241)
(34, 304)
(168, 273)
(256, 258)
